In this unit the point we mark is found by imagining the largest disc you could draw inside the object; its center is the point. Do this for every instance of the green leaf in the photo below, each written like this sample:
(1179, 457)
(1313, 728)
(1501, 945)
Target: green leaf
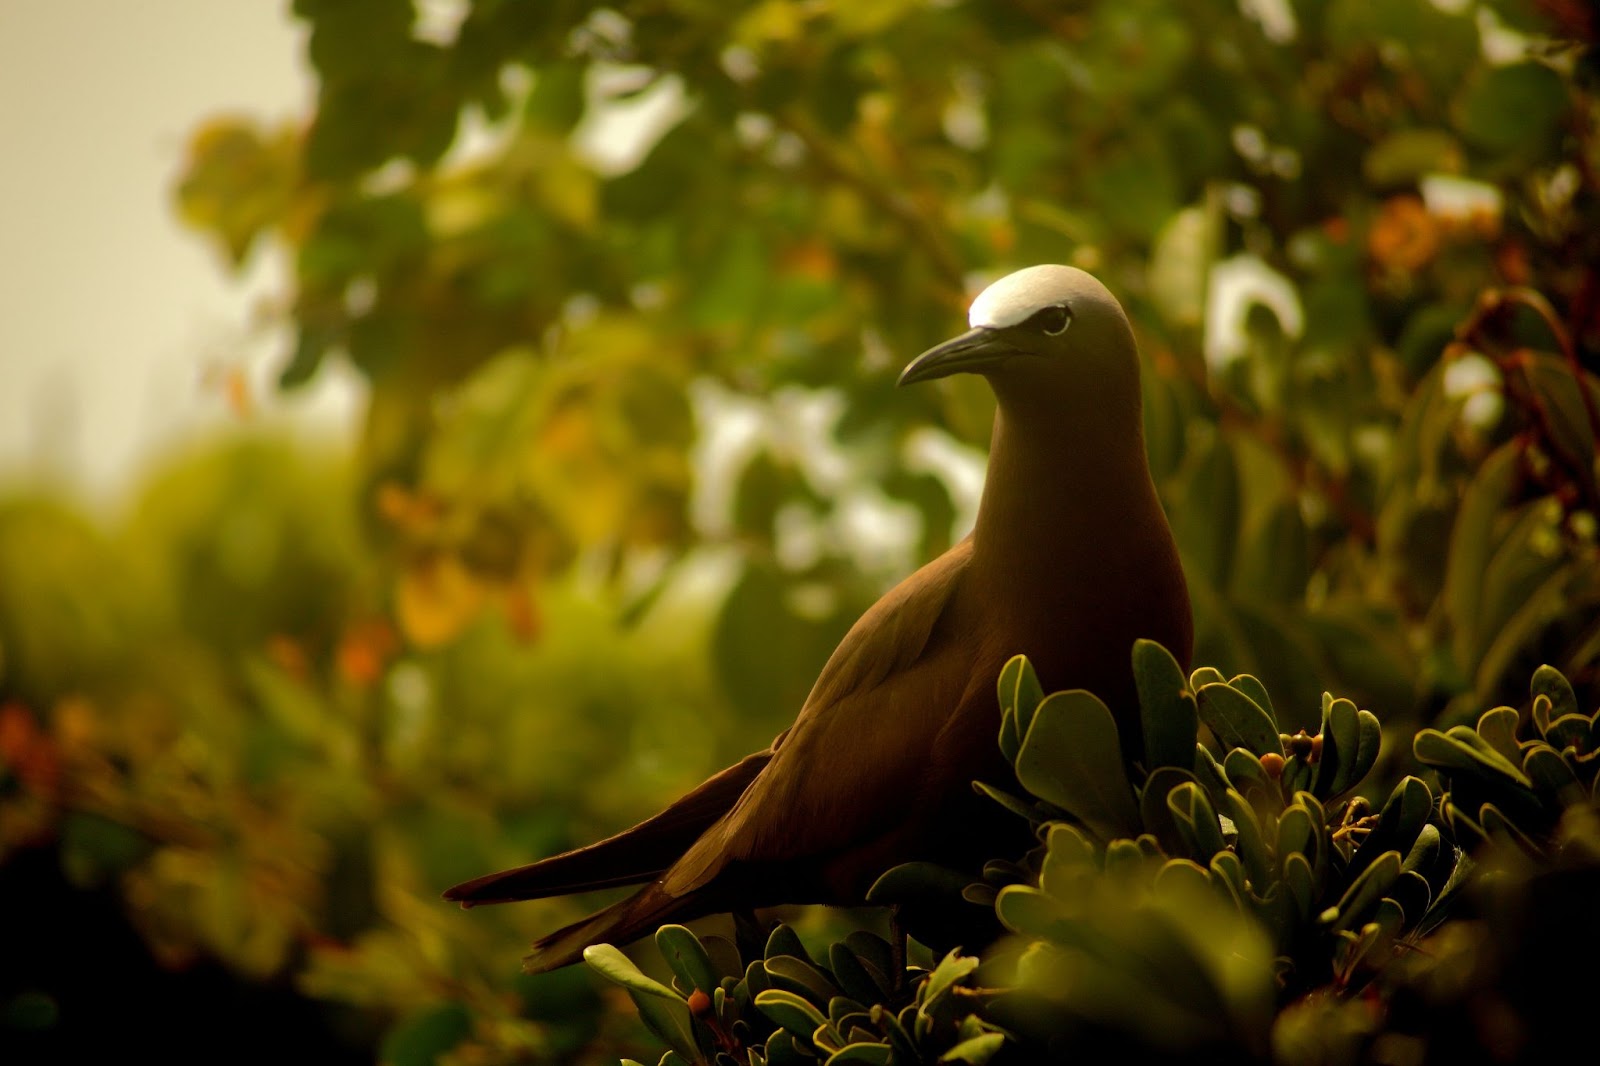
(1462, 750)
(783, 940)
(861, 1055)
(1551, 775)
(913, 881)
(858, 980)
(1023, 694)
(1249, 841)
(1015, 804)
(1207, 527)
(951, 971)
(687, 957)
(1339, 768)
(975, 1050)
(421, 1039)
(1301, 881)
(663, 1012)
(1154, 813)
(1498, 727)
(1251, 686)
(1237, 720)
(1513, 109)
(1406, 155)
(1070, 757)
(1028, 911)
(1425, 850)
(791, 1012)
(1298, 833)
(1167, 710)
(1276, 564)
(1554, 686)
(1365, 891)
(899, 1040)
(1471, 541)
(1400, 823)
(1010, 734)
(799, 976)
(1197, 821)
(1210, 774)
(1500, 827)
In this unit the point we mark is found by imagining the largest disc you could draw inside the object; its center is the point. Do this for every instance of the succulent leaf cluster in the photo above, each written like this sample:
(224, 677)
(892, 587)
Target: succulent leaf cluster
(1529, 782)
(1264, 821)
(856, 1008)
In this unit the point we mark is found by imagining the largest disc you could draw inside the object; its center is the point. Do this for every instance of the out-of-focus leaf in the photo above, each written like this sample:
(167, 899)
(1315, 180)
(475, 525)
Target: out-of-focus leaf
(1470, 549)
(422, 1039)
(1512, 109)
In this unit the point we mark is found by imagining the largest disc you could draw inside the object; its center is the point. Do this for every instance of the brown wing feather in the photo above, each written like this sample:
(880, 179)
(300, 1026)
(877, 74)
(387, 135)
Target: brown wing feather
(855, 744)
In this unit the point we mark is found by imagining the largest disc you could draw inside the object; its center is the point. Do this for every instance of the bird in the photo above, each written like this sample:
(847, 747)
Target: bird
(1070, 561)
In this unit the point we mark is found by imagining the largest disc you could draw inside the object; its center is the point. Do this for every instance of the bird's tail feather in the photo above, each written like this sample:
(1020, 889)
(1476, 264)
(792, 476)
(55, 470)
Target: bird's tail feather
(621, 923)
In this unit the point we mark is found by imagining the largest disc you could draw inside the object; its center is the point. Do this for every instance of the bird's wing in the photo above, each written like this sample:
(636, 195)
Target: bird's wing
(854, 756)
(631, 856)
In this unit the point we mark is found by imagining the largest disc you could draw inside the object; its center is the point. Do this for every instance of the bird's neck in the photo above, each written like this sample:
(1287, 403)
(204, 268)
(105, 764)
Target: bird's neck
(1063, 472)
(1069, 513)
(1072, 550)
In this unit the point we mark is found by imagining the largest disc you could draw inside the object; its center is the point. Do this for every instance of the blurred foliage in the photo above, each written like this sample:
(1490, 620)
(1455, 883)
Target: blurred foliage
(629, 288)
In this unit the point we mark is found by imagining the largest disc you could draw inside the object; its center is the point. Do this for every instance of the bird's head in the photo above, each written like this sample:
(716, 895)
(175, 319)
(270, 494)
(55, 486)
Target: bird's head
(1040, 323)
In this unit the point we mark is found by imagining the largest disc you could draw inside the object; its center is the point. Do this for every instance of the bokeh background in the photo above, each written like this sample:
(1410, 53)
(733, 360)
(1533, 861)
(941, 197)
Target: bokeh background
(513, 431)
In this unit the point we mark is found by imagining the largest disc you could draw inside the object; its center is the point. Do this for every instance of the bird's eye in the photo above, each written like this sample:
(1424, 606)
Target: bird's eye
(1053, 321)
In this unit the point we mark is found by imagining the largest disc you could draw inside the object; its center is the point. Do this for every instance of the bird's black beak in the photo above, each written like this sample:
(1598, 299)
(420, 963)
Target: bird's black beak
(974, 351)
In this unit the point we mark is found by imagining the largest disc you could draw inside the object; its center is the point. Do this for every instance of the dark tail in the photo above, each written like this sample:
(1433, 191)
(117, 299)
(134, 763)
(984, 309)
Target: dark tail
(619, 924)
(632, 856)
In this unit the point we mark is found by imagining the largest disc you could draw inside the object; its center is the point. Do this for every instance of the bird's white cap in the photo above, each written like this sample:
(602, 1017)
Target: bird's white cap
(1017, 297)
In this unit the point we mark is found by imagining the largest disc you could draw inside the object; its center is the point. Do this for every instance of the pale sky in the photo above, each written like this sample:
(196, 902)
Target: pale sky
(111, 311)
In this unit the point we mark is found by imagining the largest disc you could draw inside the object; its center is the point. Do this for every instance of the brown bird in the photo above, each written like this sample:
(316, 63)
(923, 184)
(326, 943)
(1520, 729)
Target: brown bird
(1070, 561)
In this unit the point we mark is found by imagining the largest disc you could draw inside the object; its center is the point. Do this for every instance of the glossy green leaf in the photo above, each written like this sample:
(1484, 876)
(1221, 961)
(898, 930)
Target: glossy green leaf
(1167, 710)
(1498, 728)
(1402, 819)
(1196, 821)
(660, 1008)
(1462, 750)
(861, 1055)
(1154, 813)
(951, 971)
(1365, 891)
(791, 1012)
(856, 979)
(975, 1050)
(687, 957)
(783, 940)
(799, 976)
(1471, 541)
(1554, 686)
(1249, 842)
(1301, 882)
(1237, 720)
(1015, 804)
(1551, 775)
(1029, 912)
(1071, 757)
